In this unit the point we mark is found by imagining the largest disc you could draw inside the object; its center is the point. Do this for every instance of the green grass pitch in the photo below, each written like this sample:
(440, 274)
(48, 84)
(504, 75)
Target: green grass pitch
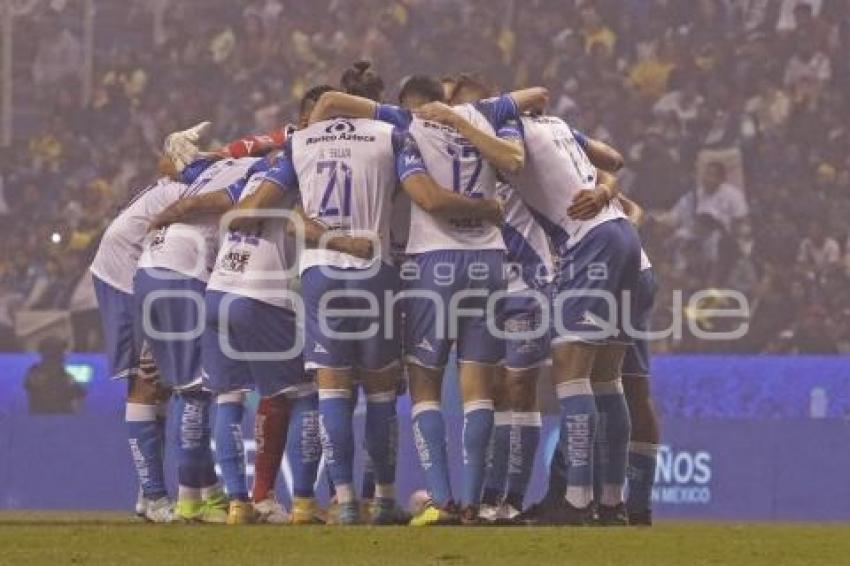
(104, 538)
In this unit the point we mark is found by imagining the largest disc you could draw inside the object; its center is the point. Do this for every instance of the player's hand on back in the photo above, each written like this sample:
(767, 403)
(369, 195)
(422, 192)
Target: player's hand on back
(356, 246)
(437, 112)
(588, 203)
(247, 223)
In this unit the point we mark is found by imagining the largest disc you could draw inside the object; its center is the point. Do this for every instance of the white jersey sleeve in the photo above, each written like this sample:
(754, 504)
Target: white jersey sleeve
(455, 164)
(556, 169)
(122, 243)
(260, 266)
(190, 249)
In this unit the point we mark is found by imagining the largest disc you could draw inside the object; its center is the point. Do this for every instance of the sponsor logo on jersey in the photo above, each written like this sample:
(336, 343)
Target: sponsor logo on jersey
(340, 126)
(340, 130)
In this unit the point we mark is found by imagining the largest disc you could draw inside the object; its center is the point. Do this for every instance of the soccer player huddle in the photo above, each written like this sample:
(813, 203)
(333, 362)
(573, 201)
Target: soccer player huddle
(347, 256)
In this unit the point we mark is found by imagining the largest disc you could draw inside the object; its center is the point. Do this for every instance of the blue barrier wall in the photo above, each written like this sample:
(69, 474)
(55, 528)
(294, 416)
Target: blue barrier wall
(738, 443)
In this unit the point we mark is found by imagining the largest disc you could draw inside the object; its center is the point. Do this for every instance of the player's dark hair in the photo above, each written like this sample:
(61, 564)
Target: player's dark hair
(361, 80)
(476, 82)
(424, 86)
(312, 96)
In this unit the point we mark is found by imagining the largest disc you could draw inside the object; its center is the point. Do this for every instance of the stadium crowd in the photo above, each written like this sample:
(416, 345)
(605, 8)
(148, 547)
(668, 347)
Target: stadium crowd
(730, 113)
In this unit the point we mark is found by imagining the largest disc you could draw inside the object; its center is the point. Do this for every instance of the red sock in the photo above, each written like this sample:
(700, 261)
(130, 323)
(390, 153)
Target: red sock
(270, 432)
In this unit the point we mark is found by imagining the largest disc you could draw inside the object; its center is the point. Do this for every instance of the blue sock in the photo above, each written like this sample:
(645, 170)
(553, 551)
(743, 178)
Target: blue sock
(382, 440)
(337, 435)
(195, 458)
(146, 446)
(477, 428)
(229, 448)
(614, 412)
(578, 432)
(643, 458)
(496, 471)
(429, 436)
(524, 439)
(303, 447)
(600, 456)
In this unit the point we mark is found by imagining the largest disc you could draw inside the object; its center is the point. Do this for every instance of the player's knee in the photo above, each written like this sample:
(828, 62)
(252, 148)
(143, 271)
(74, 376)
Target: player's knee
(382, 381)
(608, 364)
(521, 387)
(573, 361)
(143, 391)
(426, 384)
(334, 379)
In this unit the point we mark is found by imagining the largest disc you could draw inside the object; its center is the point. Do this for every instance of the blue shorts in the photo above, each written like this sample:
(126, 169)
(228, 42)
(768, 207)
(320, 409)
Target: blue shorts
(636, 361)
(252, 327)
(363, 340)
(121, 329)
(175, 304)
(523, 313)
(440, 276)
(594, 274)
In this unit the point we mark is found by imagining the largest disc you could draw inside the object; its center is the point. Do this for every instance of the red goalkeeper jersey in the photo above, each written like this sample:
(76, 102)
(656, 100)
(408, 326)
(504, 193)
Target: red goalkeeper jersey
(252, 146)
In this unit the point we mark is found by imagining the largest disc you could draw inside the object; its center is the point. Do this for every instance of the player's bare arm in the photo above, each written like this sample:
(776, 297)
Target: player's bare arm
(433, 199)
(505, 155)
(604, 156)
(589, 202)
(532, 99)
(188, 209)
(315, 236)
(633, 210)
(333, 104)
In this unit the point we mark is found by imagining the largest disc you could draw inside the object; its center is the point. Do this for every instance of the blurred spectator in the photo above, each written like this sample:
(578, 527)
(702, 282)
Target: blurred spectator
(51, 390)
(817, 250)
(732, 113)
(713, 197)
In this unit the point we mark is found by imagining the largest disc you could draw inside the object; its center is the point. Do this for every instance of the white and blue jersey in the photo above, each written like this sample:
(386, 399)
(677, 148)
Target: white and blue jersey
(529, 258)
(529, 268)
(261, 266)
(599, 259)
(115, 264)
(456, 164)
(190, 249)
(556, 170)
(347, 171)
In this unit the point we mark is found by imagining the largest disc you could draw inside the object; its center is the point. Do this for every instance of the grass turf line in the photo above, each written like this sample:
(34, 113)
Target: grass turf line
(74, 538)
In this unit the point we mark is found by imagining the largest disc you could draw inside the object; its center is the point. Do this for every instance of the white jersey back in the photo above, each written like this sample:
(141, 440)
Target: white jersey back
(556, 169)
(455, 164)
(190, 249)
(122, 243)
(260, 266)
(346, 174)
(529, 259)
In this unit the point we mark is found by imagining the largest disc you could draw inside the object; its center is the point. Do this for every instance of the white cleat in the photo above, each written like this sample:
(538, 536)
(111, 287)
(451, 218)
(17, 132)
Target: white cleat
(507, 513)
(270, 511)
(160, 511)
(489, 513)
